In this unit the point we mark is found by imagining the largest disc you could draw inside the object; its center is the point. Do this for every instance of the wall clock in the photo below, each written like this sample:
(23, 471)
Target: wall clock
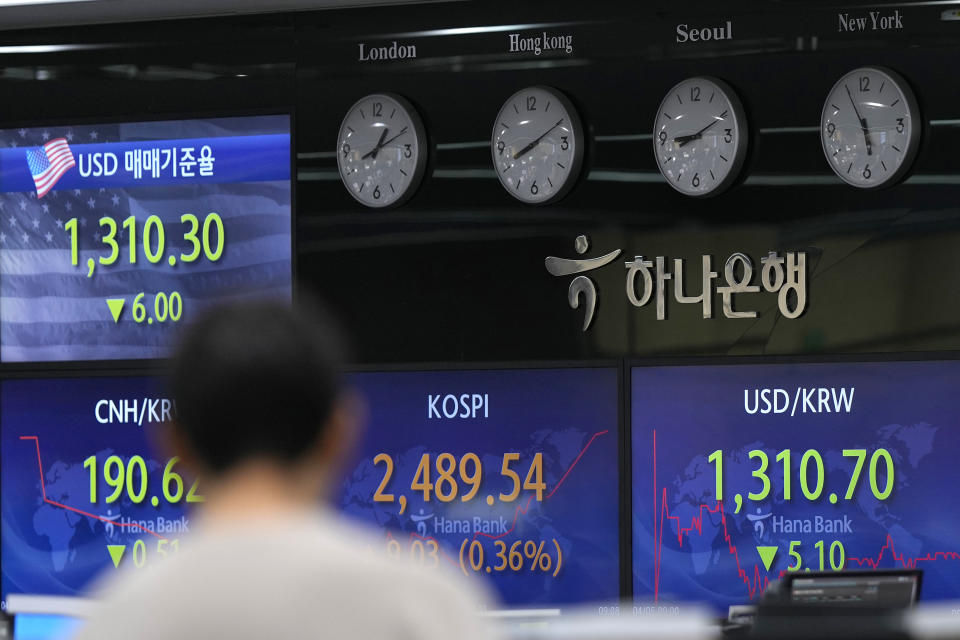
(382, 150)
(700, 136)
(870, 127)
(537, 145)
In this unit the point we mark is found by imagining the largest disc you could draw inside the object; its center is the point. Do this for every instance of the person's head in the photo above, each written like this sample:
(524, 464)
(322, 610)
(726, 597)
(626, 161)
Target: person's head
(260, 382)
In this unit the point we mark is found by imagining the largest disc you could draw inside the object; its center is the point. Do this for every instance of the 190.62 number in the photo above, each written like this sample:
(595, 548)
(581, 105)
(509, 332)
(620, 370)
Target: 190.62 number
(133, 477)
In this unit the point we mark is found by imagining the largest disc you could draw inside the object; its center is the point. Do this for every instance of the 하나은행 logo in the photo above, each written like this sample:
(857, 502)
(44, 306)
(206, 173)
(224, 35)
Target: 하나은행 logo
(785, 276)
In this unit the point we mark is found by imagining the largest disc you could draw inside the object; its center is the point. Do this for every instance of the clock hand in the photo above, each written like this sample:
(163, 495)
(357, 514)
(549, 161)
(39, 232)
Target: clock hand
(373, 152)
(863, 123)
(683, 140)
(537, 141)
(402, 131)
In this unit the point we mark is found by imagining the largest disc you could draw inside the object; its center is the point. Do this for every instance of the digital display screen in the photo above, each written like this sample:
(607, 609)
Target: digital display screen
(44, 626)
(866, 589)
(511, 475)
(83, 490)
(113, 235)
(744, 474)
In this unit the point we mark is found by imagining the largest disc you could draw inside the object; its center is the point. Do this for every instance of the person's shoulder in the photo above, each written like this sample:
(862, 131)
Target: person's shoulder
(422, 564)
(418, 560)
(323, 566)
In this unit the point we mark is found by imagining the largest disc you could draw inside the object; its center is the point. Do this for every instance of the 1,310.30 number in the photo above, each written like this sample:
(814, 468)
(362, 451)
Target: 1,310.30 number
(209, 240)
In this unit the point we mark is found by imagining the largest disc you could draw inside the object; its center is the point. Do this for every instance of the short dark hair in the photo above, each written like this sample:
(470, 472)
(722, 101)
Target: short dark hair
(257, 380)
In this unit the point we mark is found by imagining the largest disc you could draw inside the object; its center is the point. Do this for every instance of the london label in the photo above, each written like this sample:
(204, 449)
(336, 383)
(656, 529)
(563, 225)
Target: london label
(393, 51)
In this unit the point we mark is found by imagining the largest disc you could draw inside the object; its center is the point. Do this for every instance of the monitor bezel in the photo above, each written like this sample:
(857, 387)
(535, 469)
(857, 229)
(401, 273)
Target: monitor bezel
(161, 369)
(790, 578)
(632, 363)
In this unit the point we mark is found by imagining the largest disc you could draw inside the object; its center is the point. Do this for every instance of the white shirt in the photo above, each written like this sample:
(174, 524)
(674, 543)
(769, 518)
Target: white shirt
(312, 578)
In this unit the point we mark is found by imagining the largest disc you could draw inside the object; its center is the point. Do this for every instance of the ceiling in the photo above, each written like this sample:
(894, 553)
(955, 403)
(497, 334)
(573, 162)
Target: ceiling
(25, 14)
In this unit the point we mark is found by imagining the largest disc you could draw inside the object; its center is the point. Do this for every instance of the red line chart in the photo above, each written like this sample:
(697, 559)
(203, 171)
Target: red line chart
(43, 489)
(902, 559)
(523, 509)
(520, 509)
(755, 579)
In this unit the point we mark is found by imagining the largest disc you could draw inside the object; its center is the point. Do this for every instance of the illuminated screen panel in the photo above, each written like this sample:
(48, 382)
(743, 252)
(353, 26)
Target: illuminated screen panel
(102, 499)
(113, 235)
(743, 473)
(37, 626)
(511, 475)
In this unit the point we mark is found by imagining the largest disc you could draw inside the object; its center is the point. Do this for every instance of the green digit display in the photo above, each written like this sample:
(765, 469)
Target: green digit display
(795, 554)
(881, 472)
(861, 456)
(136, 497)
(811, 454)
(110, 239)
(130, 224)
(191, 236)
(874, 460)
(91, 464)
(717, 458)
(213, 220)
(170, 476)
(838, 564)
(139, 310)
(192, 495)
(71, 228)
(133, 477)
(160, 307)
(760, 474)
(176, 306)
(837, 561)
(153, 222)
(139, 554)
(784, 457)
(114, 480)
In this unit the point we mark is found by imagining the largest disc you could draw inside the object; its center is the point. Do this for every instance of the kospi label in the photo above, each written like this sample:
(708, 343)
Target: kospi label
(465, 406)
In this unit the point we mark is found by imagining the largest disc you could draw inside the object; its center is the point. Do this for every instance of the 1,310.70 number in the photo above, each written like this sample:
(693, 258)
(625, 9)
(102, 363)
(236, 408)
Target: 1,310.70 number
(812, 458)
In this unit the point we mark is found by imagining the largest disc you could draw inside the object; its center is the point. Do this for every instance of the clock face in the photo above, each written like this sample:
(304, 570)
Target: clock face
(870, 127)
(700, 136)
(381, 150)
(537, 145)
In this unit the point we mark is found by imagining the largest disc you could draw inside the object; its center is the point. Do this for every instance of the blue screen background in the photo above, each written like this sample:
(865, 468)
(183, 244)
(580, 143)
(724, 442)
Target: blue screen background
(909, 408)
(47, 549)
(556, 412)
(50, 310)
(50, 549)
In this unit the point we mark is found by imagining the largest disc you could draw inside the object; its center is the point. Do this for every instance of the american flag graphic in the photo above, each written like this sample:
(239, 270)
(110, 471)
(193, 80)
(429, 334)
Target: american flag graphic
(51, 310)
(48, 164)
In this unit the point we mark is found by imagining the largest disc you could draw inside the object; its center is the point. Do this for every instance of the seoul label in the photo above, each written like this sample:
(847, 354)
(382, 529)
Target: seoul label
(686, 33)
